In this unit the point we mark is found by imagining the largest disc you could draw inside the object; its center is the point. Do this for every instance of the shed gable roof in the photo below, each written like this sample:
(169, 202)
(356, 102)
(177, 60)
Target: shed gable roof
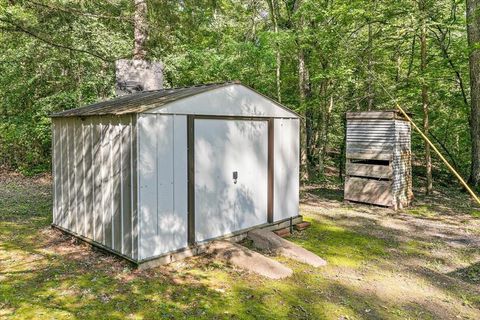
(149, 100)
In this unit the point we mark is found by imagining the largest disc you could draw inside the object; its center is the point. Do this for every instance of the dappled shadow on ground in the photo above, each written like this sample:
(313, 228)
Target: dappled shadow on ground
(382, 265)
(470, 274)
(434, 246)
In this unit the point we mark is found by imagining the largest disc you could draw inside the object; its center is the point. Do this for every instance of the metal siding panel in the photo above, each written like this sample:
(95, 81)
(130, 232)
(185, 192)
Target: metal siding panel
(89, 182)
(180, 182)
(98, 191)
(286, 168)
(236, 99)
(147, 171)
(233, 100)
(222, 147)
(107, 180)
(106, 190)
(166, 220)
(71, 177)
(64, 172)
(116, 187)
(126, 180)
(135, 186)
(79, 177)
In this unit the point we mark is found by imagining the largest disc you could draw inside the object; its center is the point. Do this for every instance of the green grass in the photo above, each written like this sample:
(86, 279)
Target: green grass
(44, 275)
(475, 213)
(340, 246)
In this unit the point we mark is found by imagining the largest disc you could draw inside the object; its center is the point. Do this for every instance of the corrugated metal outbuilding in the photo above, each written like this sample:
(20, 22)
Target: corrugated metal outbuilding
(378, 156)
(157, 172)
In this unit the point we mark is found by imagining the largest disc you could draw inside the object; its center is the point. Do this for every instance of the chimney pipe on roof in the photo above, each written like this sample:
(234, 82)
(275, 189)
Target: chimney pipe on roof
(137, 75)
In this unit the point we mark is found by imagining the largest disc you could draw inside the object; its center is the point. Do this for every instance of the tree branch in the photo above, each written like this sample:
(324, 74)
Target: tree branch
(32, 34)
(446, 55)
(79, 12)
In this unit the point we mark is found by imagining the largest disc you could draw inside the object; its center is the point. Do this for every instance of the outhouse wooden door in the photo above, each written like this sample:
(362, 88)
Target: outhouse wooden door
(231, 175)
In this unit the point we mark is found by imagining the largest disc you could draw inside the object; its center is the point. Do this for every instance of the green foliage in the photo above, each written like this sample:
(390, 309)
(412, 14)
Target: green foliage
(57, 55)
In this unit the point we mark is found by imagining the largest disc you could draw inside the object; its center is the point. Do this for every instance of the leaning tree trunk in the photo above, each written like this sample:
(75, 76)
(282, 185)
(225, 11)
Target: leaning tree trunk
(473, 35)
(425, 100)
(140, 29)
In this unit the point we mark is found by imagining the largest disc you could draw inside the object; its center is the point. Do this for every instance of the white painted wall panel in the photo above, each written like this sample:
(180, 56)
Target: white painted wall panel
(180, 182)
(221, 148)
(147, 166)
(163, 184)
(286, 168)
(233, 100)
(165, 213)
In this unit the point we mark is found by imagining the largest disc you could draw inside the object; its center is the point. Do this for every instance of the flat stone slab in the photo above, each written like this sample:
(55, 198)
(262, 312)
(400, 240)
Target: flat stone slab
(267, 240)
(248, 260)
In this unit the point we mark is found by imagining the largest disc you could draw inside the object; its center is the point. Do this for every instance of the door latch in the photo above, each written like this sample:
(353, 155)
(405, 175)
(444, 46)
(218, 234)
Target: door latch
(235, 177)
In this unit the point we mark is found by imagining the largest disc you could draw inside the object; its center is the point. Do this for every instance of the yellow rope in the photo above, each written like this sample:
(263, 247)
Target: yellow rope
(452, 169)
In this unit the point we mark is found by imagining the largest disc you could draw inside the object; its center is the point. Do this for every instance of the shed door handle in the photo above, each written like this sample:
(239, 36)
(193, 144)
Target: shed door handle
(235, 176)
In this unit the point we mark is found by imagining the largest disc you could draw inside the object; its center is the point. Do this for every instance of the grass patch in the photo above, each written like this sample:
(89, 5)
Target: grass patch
(45, 276)
(475, 213)
(339, 246)
(425, 211)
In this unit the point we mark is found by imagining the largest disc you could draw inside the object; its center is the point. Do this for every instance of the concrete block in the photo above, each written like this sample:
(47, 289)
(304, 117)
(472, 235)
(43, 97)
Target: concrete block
(266, 240)
(247, 259)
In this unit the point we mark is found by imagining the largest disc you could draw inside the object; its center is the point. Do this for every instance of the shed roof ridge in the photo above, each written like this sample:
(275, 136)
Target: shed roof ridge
(140, 95)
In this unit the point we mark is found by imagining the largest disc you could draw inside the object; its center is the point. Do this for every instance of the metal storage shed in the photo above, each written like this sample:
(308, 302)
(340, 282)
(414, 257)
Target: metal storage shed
(378, 169)
(158, 172)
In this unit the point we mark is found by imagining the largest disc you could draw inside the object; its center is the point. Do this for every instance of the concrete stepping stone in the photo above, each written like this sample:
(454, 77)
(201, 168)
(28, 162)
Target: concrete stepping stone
(248, 260)
(267, 240)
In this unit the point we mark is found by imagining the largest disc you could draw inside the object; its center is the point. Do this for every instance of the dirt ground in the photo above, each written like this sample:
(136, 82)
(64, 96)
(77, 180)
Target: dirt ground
(419, 263)
(432, 250)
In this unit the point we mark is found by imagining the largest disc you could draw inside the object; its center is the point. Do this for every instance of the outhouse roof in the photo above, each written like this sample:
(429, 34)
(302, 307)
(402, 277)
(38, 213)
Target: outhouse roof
(146, 100)
(378, 114)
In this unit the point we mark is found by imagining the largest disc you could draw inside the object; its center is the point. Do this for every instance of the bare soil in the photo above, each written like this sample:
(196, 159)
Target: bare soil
(419, 263)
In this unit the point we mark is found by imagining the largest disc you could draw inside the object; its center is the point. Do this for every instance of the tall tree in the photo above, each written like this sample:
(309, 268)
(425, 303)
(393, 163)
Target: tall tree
(274, 16)
(140, 29)
(425, 99)
(473, 36)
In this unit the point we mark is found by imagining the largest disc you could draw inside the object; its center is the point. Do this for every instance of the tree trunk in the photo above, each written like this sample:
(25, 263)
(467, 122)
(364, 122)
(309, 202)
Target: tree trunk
(370, 70)
(425, 101)
(305, 92)
(273, 14)
(323, 140)
(473, 35)
(140, 29)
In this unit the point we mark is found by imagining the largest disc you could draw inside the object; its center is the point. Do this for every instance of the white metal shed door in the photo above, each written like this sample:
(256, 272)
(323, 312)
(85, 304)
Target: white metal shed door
(223, 204)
